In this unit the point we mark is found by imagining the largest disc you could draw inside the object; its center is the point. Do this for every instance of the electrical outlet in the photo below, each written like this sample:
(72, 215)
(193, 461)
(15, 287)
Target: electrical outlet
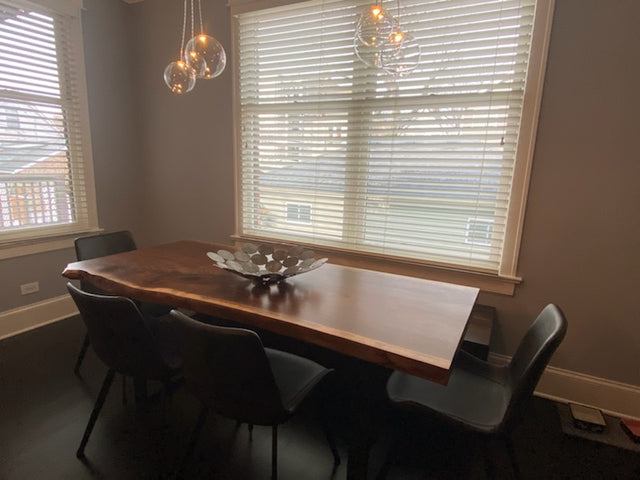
(27, 288)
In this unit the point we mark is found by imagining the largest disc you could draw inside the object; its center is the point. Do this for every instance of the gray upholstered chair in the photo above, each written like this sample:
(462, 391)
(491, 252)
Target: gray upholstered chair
(101, 245)
(483, 398)
(126, 341)
(233, 374)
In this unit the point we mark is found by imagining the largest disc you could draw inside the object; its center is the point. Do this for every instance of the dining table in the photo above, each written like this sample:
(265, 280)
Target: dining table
(390, 321)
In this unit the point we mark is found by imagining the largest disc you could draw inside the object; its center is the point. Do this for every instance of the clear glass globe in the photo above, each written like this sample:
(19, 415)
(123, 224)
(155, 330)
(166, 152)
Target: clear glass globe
(368, 54)
(179, 77)
(374, 26)
(206, 56)
(403, 54)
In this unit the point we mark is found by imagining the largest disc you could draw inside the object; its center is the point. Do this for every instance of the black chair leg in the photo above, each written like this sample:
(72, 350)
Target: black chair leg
(512, 456)
(202, 416)
(96, 410)
(390, 457)
(81, 354)
(489, 465)
(274, 452)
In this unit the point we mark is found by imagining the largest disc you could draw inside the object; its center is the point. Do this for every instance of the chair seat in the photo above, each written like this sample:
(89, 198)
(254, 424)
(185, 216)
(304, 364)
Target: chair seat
(475, 396)
(295, 376)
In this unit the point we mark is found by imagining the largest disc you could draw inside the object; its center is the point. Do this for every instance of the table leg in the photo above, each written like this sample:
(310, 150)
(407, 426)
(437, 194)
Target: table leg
(362, 387)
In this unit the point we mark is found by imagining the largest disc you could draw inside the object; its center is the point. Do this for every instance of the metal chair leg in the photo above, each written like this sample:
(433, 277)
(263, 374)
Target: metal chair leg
(202, 416)
(512, 456)
(96, 410)
(274, 452)
(81, 354)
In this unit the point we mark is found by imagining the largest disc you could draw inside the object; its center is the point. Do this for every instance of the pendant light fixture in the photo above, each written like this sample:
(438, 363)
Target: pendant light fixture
(374, 26)
(380, 41)
(179, 76)
(202, 57)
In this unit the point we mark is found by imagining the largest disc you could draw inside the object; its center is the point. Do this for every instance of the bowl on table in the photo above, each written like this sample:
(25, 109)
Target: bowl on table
(265, 264)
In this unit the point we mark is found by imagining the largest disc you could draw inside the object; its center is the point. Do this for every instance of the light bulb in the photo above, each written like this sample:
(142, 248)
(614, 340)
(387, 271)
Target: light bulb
(374, 26)
(179, 77)
(403, 56)
(206, 56)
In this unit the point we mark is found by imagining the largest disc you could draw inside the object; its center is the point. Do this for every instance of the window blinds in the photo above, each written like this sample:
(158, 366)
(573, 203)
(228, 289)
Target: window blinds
(43, 190)
(417, 167)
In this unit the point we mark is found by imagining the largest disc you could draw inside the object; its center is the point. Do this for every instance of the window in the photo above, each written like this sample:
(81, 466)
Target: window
(479, 231)
(298, 212)
(44, 143)
(12, 119)
(432, 166)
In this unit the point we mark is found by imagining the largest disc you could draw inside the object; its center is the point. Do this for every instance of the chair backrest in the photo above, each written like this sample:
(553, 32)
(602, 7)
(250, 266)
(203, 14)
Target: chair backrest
(531, 358)
(119, 334)
(101, 245)
(104, 244)
(228, 370)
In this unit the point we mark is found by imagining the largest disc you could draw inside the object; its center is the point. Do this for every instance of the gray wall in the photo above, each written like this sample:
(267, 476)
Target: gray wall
(164, 169)
(186, 140)
(581, 242)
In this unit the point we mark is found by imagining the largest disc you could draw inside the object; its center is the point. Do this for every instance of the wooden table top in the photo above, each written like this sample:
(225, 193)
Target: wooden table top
(399, 322)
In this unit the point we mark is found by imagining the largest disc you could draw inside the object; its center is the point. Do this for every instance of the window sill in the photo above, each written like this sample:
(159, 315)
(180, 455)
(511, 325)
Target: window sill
(29, 247)
(486, 282)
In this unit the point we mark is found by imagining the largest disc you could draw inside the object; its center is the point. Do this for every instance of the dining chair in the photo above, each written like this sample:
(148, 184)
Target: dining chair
(127, 342)
(482, 398)
(101, 245)
(231, 373)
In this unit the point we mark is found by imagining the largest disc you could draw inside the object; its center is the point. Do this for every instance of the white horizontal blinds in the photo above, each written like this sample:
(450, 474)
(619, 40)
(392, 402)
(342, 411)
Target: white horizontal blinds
(42, 187)
(416, 166)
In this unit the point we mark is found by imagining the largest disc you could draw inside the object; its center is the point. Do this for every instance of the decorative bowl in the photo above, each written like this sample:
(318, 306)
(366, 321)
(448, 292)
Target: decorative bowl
(266, 265)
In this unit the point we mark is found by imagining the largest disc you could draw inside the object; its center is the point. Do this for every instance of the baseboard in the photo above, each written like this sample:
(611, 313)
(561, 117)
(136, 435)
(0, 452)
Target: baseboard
(22, 319)
(614, 398)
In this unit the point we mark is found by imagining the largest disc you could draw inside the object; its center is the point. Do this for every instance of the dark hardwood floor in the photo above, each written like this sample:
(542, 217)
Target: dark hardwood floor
(44, 408)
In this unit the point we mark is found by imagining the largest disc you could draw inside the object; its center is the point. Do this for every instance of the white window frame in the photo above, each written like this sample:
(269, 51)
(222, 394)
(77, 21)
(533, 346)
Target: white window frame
(507, 278)
(47, 238)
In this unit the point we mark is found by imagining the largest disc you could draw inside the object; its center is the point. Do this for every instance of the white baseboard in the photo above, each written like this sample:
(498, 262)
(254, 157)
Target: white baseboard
(614, 398)
(22, 319)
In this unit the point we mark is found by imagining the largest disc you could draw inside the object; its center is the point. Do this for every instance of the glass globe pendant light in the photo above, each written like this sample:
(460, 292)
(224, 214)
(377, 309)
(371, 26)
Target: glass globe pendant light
(368, 54)
(206, 56)
(403, 55)
(178, 75)
(380, 42)
(374, 26)
(201, 57)
(203, 52)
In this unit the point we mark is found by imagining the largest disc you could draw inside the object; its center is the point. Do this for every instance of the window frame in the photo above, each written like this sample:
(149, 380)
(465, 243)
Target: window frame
(55, 237)
(507, 278)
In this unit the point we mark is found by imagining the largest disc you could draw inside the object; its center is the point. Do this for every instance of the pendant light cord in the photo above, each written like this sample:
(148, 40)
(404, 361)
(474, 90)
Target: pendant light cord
(200, 17)
(184, 27)
(192, 15)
